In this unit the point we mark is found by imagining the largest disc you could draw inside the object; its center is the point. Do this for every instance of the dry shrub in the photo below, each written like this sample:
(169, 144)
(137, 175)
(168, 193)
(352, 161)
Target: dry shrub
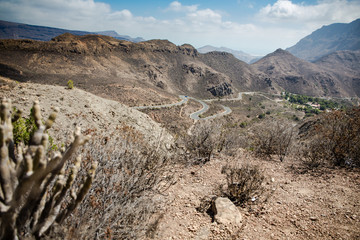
(333, 137)
(271, 137)
(122, 203)
(244, 183)
(203, 141)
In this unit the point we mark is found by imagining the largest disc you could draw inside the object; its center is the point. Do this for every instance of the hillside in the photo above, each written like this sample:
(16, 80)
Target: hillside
(299, 76)
(328, 39)
(133, 73)
(83, 109)
(11, 30)
(157, 71)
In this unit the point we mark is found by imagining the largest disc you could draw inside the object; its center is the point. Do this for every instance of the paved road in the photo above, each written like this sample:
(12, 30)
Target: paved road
(205, 107)
(194, 115)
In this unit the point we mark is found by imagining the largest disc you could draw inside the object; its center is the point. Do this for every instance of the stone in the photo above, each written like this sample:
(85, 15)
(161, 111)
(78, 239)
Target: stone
(225, 212)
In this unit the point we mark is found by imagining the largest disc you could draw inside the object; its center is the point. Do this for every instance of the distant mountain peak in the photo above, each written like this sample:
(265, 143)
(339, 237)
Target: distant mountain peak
(11, 30)
(328, 39)
(237, 53)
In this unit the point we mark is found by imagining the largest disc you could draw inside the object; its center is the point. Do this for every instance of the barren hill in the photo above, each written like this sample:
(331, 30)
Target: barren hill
(299, 76)
(83, 109)
(328, 39)
(157, 71)
(133, 73)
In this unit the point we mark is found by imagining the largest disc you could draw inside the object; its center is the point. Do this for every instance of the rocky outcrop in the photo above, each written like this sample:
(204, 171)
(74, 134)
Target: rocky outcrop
(221, 90)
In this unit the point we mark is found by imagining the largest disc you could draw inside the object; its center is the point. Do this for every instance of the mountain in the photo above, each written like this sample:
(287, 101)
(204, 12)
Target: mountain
(11, 30)
(344, 65)
(238, 54)
(132, 73)
(157, 71)
(324, 78)
(328, 39)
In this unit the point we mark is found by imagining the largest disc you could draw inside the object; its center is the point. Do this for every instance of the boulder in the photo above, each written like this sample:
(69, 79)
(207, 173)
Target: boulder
(225, 212)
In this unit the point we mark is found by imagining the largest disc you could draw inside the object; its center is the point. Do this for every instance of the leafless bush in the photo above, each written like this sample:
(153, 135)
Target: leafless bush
(244, 183)
(272, 137)
(332, 137)
(122, 203)
(203, 141)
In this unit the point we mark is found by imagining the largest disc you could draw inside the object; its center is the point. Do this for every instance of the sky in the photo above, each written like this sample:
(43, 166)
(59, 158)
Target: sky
(257, 27)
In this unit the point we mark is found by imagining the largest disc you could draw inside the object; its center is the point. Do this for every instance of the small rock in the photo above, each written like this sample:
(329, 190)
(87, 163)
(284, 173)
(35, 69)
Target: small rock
(272, 179)
(313, 218)
(226, 212)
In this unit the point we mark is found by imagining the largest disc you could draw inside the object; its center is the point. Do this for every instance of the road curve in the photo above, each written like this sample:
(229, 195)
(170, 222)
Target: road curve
(195, 115)
(205, 107)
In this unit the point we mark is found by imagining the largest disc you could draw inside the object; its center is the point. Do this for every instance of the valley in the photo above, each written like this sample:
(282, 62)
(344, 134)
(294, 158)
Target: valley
(173, 130)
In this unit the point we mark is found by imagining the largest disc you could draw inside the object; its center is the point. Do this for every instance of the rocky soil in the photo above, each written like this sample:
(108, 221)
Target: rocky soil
(322, 204)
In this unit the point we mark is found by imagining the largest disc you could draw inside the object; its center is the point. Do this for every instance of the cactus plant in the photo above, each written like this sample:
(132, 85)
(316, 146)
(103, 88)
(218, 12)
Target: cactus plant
(33, 184)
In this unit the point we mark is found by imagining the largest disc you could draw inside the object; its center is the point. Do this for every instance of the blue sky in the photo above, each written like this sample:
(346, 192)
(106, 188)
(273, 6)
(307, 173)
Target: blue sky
(256, 27)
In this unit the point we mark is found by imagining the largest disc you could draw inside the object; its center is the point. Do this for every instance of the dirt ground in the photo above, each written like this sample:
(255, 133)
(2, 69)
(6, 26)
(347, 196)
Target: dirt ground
(320, 204)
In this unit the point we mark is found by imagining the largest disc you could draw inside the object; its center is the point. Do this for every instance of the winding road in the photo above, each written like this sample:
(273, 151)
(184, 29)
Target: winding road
(205, 107)
(195, 115)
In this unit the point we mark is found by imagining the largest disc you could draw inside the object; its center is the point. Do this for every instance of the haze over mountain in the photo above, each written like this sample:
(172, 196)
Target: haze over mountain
(12, 30)
(238, 54)
(328, 39)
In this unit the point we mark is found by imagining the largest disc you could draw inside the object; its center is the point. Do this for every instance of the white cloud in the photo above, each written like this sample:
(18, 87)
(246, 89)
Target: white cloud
(326, 11)
(178, 7)
(206, 15)
(279, 25)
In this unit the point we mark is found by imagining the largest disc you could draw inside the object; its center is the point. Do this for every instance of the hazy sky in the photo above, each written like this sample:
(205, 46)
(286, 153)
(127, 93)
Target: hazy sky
(257, 27)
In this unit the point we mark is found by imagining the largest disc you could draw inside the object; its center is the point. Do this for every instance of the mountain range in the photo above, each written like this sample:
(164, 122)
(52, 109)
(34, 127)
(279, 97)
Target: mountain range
(11, 30)
(158, 71)
(328, 39)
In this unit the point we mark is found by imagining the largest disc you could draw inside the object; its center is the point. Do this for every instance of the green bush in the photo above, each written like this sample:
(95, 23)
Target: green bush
(70, 84)
(261, 116)
(24, 128)
(243, 124)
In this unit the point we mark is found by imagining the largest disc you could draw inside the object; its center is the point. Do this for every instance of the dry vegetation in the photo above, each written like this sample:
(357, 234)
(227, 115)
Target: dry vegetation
(140, 191)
